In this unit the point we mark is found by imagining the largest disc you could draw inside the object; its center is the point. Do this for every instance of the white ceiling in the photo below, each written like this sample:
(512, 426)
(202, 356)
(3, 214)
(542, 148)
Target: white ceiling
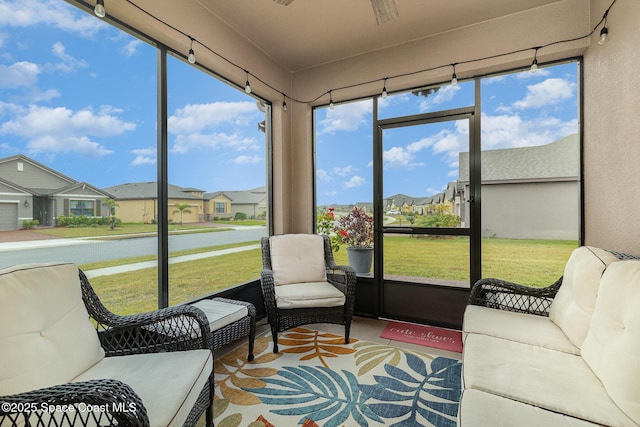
(308, 33)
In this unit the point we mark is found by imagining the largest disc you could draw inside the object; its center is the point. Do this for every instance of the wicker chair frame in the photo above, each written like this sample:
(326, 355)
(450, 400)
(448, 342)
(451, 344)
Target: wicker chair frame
(341, 276)
(176, 328)
(509, 296)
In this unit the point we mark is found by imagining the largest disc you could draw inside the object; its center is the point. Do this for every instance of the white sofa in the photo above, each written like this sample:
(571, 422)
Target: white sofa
(574, 363)
(57, 367)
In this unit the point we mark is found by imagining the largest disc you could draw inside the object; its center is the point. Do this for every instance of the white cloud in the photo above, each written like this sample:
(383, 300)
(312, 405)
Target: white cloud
(548, 92)
(19, 74)
(506, 131)
(58, 14)
(247, 159)
(69, 63)
(344, 171)
(144, 156)
(345, 117)
(194, 118)
(131, 48)
(355, 181)
(186, 143)
(61, 130)
(398, 157)
(322, 175)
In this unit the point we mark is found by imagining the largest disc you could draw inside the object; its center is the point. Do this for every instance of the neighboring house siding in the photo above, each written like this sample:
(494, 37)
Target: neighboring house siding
(195, 208)
(546, 210)
(31, 175)
(252, 210)
(144, 211)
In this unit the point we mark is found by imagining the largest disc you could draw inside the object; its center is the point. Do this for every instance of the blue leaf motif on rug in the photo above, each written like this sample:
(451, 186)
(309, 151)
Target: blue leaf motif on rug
(408, 393)
(317, 393)
(416, 395)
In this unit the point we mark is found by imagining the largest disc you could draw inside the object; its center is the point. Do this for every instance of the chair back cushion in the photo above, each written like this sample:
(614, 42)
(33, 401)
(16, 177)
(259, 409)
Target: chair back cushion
(612, 345)
(45, 333)
(297, 258)
(574, 303)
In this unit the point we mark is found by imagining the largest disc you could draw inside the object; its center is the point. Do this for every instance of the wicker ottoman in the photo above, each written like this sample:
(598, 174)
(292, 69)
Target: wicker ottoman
(229, 320)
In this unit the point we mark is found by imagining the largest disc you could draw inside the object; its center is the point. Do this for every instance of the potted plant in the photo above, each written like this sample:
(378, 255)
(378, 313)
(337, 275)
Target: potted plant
(356, 231)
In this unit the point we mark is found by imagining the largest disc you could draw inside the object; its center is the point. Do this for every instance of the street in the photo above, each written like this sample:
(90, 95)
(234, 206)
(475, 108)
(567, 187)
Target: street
(80, 251)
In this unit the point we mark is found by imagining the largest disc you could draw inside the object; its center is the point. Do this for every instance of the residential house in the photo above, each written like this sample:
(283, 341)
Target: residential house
(529, 192)
(30, 190)
(138, 202)
(252, 203)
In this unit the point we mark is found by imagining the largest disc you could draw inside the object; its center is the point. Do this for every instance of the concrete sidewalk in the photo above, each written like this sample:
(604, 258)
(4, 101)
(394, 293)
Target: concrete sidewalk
(152, 264)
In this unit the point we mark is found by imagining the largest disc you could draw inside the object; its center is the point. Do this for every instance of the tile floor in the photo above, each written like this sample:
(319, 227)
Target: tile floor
(361, 327)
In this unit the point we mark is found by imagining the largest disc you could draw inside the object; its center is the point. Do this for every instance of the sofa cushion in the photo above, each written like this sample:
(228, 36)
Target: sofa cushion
(167, 383)
(305, 295)
(552, 380)
(297, 258)
(573, 305)
(612, 346)
(480, 409)
(525, 328)
(45, 333)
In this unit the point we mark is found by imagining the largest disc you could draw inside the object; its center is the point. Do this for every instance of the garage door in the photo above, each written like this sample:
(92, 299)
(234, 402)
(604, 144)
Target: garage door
(8, 216)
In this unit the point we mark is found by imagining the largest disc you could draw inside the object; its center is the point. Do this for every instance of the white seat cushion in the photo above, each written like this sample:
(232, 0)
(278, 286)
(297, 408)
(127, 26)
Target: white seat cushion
(574, 303)
(305, 295)
(45, 333)
(220, 314)
(525, 328)
(555, 381)
(612, 346)
(168, 383)
(480, 409)
(297, 258)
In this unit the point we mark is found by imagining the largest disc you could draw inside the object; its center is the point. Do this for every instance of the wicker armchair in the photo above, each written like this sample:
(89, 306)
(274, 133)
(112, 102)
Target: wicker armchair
(126, 347)
(295, 253)
(509, 296)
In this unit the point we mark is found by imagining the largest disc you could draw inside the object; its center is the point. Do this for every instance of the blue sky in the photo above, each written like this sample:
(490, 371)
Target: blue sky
(80, 97)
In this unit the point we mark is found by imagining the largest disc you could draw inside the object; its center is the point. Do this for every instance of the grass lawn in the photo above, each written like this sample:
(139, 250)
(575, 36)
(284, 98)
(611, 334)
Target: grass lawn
(530, 262)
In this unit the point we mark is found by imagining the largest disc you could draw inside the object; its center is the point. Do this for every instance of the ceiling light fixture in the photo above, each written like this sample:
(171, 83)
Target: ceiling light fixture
(331, 104)
(247, 85)
(384, 88)
(99, 9)
(454, 77)
(604, 32)
(284, 102)
(192, 55)
(534, 64)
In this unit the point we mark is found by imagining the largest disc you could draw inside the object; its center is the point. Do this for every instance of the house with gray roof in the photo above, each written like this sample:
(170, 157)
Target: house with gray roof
(138, 202)
(528, 192)
(30, 190)
(252, 203)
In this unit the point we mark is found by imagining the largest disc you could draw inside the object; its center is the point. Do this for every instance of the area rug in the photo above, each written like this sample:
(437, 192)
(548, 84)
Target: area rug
(445, 339)
(317, 380)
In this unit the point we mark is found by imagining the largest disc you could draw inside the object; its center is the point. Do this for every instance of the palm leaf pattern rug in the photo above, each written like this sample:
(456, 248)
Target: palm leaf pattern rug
(317, 380)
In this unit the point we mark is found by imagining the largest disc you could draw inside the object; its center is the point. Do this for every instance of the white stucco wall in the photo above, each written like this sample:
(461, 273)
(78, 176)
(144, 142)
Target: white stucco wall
(612, 131)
